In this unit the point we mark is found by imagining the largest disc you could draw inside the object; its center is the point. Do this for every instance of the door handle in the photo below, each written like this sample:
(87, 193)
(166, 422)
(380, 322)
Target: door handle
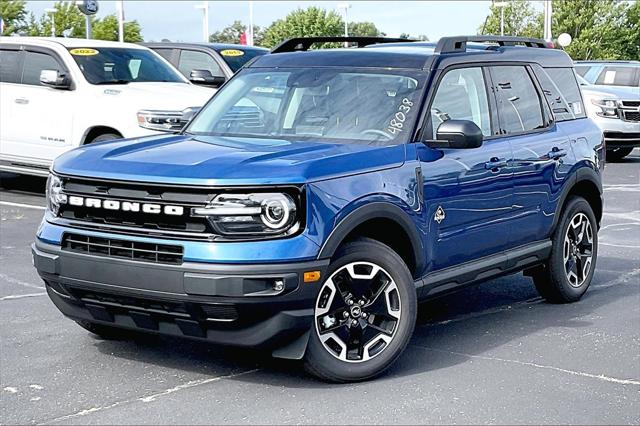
(22, 101)
(495, 163)
(556, 153)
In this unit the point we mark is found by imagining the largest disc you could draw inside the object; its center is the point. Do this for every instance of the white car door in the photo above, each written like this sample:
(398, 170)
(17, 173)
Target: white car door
(10, 70)
(43, 115)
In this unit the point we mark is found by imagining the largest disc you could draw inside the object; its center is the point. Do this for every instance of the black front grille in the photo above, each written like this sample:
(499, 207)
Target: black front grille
(630, 103)
(139, 223)
(132, 250)
(631, 115)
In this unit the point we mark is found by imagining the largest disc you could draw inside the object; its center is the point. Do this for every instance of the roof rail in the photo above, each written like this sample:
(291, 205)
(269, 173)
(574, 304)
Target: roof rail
(300, 44)
(459, 43)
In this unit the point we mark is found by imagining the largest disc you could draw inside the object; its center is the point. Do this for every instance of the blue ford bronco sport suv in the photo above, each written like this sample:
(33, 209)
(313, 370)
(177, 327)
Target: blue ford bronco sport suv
(320, 194)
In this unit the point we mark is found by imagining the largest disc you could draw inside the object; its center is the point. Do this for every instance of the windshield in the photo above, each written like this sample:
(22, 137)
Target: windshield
(236, 57)
(323, 104)
(122, 66)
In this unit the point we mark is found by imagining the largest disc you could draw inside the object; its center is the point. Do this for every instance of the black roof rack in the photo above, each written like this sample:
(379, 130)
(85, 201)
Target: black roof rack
(459, 43)
(300, 44)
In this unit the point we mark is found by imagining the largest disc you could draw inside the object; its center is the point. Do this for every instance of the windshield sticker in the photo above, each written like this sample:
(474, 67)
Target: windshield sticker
(83, 52)
(231, 52)
(397, 122)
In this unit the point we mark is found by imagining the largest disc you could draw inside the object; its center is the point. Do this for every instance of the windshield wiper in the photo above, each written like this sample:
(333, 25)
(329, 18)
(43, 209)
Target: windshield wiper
(113, 82)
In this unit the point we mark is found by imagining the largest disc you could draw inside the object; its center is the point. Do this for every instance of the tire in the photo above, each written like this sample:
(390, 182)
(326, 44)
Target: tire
(617, 154)
(104, 137)
(104, 331)
(385, 318)
(563, 278)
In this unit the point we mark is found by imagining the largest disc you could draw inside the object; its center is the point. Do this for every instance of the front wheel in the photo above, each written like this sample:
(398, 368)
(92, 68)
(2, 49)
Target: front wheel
(574, 251)
(364, 314)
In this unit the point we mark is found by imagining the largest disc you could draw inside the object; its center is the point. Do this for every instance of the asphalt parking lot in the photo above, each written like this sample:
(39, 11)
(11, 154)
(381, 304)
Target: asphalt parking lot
(493, 353)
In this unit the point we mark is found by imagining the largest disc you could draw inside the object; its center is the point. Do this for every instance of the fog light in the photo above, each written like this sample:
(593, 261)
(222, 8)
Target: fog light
(278, 285)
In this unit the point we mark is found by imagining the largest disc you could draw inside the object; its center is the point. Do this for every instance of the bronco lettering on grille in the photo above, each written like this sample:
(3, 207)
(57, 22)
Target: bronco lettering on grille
(126, 206)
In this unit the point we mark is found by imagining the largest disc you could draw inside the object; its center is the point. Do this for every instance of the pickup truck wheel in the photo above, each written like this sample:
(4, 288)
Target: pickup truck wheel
(364, 314)
(105, 137)
(571, 265)
(617, 154)
(104, 331)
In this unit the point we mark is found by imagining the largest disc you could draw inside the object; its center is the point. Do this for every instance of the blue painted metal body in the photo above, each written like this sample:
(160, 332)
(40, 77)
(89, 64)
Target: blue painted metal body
(487, 211)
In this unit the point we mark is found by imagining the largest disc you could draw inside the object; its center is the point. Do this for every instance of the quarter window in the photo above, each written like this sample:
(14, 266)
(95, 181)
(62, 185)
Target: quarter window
(518, 102)
(461, 95)
(192, 60)
(9, 66)
(562, 91)
(34, 63)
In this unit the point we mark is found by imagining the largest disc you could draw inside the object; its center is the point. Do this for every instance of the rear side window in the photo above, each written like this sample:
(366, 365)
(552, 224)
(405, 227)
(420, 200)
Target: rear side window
(519, 105)
(619, 76)
(165, 53)
(562, 91)
(9, 66)
(34, 63)
(582, 70)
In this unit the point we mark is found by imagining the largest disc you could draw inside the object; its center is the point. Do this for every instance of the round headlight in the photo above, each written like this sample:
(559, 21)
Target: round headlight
(275, 213)
(55, 197)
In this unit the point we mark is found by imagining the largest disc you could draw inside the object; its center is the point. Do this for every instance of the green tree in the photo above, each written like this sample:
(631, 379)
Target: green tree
(312, 21)
(232, 33)
(631, 40)
(520, 19)
(14, 15)
(107, 29)
(599, 28)
(67, 20)
(364, 29)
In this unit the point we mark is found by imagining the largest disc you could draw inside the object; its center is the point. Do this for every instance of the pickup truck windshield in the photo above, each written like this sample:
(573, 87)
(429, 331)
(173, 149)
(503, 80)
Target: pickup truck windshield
(122, 66)
(236, 57)
(322, 104)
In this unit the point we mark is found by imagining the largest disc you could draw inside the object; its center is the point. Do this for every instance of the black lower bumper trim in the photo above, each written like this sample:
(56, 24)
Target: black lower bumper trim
(155, 298)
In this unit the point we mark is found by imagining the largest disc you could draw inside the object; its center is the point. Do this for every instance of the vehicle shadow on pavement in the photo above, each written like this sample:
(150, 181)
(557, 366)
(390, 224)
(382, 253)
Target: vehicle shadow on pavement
(474, 321)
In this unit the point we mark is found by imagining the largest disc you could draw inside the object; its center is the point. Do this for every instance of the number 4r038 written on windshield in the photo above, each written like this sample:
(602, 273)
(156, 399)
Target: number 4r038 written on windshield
(397, 122)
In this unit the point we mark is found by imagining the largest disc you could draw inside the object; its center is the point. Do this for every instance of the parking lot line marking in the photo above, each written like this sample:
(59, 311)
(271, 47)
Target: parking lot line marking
(149, 398)
(21, 296)
(26, 206)
(193, 383)
(541, 366)
(11, 280)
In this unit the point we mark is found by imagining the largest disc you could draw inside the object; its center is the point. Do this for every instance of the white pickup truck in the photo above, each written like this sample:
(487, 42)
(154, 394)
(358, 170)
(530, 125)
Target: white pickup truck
(60, 93)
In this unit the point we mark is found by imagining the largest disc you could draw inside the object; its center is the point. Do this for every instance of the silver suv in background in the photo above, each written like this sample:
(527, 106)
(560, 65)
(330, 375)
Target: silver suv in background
(616, 110)
(610, 73)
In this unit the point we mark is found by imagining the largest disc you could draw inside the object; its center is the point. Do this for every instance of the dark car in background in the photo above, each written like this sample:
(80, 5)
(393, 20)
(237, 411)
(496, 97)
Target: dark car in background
(208, 64)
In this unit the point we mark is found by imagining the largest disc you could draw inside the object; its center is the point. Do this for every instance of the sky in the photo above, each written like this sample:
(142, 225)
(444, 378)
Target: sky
(181, 21)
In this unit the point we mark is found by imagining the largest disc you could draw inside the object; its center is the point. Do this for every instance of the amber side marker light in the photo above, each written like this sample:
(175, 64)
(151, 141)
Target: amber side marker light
(311, 276)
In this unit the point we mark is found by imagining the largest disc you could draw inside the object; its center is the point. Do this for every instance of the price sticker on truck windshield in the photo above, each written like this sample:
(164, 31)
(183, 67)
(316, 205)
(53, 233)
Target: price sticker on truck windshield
(231, 52)
(83, 52)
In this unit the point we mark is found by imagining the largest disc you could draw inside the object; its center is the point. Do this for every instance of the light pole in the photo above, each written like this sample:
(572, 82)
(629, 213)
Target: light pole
(345, 7)
(52, 11)
(250, 32)
(548, 13)
(501, 5)
(205, 19)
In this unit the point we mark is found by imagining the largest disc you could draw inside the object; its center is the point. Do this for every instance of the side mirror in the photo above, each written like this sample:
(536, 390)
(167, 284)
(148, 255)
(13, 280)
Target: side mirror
(457, 134)
(205, 78)
(52, 78)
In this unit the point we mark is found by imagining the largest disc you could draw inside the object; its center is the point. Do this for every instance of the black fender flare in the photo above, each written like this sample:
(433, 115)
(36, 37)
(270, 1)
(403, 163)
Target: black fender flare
(375, 210)
(583, 174)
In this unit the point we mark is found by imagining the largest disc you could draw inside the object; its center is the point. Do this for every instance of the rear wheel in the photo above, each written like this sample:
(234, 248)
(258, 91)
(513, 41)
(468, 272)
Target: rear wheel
(569, 271)
(364, 315)
(617, 154)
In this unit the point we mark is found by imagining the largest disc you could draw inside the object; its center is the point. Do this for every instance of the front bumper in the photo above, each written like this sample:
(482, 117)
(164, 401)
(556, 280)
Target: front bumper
(219, 303)
(619, 133)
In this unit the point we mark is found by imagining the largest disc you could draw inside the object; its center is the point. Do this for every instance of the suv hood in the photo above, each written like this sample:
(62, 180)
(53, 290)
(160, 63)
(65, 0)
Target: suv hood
(611, 92)
(157, 95)
(218, 161)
